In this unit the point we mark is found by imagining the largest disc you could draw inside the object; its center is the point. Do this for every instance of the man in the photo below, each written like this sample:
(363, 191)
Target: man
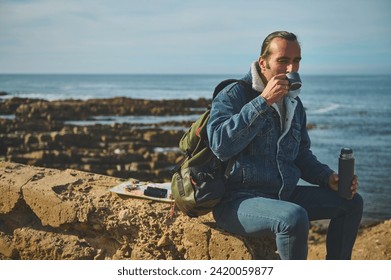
(269, 138)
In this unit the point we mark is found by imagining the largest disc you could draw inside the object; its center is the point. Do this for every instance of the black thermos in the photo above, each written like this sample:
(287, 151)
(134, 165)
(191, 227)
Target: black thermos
(345, 172)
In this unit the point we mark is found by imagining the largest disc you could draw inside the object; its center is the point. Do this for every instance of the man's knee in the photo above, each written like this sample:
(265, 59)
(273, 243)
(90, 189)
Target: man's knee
(297, 220)
(357, 203)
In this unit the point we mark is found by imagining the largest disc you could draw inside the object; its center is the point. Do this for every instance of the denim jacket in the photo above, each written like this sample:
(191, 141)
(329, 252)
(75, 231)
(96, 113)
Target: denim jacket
(268, 160)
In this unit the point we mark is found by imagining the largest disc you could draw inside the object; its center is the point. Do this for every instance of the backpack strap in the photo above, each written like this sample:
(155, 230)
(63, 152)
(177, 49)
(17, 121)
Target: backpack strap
(230, 164)
(225, 83)
(249, 89)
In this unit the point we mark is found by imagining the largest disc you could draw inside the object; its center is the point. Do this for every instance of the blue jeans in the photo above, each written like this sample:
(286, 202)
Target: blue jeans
(249, 213)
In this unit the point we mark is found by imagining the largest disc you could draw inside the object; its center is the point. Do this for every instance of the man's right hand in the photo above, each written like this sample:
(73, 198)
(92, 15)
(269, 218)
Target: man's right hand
(276, 88)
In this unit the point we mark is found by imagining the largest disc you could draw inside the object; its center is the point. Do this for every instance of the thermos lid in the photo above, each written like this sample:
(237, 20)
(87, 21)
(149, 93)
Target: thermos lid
(346, 151)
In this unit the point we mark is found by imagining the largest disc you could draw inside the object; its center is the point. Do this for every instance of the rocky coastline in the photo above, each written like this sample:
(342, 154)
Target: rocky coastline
(39, 133)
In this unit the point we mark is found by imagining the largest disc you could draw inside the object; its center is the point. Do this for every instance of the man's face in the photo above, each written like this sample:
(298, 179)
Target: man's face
(284, 57)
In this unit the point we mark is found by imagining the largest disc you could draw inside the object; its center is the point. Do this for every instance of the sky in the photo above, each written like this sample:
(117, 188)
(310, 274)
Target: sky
(190, 37)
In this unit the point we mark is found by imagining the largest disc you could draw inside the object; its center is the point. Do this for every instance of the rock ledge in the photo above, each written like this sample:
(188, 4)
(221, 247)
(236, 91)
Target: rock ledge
(53, 214)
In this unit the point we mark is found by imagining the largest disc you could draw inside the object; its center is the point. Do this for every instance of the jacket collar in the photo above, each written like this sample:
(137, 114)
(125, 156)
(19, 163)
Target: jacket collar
(257, 82)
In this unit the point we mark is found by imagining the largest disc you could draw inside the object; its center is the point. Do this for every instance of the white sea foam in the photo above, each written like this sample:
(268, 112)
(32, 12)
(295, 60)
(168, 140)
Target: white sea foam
(327, 109)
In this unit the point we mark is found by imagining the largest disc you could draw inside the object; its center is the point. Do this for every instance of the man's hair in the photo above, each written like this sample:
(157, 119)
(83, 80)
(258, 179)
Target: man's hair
(265, 51)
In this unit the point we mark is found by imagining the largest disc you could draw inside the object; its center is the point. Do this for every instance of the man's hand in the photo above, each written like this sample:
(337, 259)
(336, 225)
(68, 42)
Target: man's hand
(276, 88)
(333, 183)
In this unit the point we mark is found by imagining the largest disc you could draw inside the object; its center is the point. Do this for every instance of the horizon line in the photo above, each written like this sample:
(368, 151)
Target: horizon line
(192, 74)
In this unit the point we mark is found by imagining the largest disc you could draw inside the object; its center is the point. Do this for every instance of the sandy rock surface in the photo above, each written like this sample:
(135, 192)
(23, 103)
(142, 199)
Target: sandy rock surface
(373, 243)
(53, 214)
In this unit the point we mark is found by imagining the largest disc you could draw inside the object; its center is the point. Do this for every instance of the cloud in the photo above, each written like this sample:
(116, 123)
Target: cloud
(178, 36)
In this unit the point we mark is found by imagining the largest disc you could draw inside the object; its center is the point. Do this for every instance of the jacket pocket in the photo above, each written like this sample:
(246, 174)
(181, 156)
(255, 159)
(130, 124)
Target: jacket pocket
(262, 143)
(294, 138)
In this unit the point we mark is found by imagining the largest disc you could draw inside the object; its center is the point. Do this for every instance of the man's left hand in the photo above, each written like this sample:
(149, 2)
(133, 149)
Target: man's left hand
(333, 183)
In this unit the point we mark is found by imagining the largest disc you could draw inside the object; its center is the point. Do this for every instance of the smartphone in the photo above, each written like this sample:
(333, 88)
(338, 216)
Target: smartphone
(156, 192)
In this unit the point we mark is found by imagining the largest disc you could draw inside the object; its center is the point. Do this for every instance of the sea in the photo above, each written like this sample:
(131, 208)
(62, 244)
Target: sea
(347, 111)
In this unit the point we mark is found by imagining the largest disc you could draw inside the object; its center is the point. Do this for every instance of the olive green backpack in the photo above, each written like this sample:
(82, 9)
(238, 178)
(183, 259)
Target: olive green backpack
(198, 183)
